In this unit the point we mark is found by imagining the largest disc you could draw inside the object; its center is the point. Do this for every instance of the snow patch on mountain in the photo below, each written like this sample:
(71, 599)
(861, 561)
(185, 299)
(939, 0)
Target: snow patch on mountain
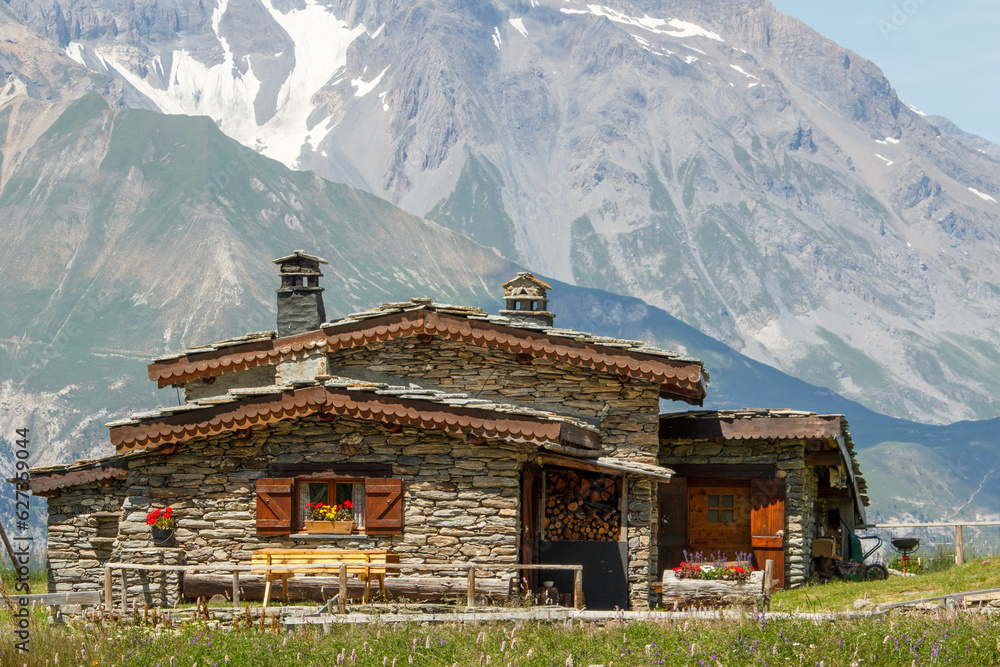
(363, 87)
(519, 26)
(646, 22)
(744, 73)
(220, 92)
(982, 195)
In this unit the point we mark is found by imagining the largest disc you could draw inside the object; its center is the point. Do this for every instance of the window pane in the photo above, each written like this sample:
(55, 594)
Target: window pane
(310, 492)
(318, 492)
(727, 516)
(344, 492)
(727, 501)
(713, 516)
(713, 501)
(358, 499)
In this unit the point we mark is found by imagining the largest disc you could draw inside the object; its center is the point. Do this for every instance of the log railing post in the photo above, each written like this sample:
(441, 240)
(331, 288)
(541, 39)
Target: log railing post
(342, 595)
(124, 593)
(108, 591)
(959, 547)
(471, 591)
(578, 588)
(768, 579)
(236, 588)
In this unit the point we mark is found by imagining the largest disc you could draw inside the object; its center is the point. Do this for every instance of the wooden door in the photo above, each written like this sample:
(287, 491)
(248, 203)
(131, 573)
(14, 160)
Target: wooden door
(672, 537)
(531, 492)
(718, 518)
(767, 524)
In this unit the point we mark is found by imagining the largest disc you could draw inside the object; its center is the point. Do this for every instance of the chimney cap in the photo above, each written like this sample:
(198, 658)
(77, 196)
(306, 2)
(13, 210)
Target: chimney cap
(299, 254)
(523, 279)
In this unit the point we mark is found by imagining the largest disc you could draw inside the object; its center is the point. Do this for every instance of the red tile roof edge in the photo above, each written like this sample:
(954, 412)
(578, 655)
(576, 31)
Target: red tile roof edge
(170, 430)
(677, 378)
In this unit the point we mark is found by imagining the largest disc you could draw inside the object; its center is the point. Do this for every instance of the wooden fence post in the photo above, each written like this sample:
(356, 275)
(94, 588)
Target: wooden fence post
(768, 578)
(959, 547)
(470, 593)
(236, 588)
(124, 593)
(108, 590)
(578, 588)
(342, 595)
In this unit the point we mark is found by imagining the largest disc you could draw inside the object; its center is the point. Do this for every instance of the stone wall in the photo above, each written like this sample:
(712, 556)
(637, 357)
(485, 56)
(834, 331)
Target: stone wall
(461, 501)
(627, 413)
(83, 529)
(788, 457)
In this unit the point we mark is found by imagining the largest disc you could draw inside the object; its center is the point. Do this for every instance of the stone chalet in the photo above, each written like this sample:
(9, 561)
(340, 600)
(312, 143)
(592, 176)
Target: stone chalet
(459, 436)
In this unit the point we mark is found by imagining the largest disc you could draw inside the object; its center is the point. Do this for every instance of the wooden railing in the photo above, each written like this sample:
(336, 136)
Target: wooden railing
(959, 543)
(340, 566)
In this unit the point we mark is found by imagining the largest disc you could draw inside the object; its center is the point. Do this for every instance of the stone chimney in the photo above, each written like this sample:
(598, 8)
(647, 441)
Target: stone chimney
(527, 299)
(300, 298)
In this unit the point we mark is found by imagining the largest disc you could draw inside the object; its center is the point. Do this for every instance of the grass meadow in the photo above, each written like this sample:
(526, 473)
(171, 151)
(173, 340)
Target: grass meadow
(905, 639)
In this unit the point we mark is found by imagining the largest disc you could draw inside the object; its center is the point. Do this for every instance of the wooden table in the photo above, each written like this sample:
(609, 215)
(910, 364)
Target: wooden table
(362, 563)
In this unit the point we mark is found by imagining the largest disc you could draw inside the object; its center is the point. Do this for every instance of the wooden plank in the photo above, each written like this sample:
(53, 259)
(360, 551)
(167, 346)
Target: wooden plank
(722, 471)
(816, 427)
(84, 597)
(236, 589)
(834, 493)
(313, 470)
(825, 458)
(930, 525)
(768, 578)
(108, 590)
(578, 601)
(323, 588)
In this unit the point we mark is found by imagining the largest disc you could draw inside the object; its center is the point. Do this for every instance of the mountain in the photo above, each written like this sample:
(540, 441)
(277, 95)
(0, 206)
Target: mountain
(719, 160)
(125, 234)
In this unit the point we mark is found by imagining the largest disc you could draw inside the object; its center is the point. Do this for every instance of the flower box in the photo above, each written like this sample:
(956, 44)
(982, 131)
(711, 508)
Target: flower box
(330, 527)
(689, 592)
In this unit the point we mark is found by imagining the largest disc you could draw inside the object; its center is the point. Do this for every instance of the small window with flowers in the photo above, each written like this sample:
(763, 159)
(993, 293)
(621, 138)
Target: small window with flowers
(331, 499)
(295, 496)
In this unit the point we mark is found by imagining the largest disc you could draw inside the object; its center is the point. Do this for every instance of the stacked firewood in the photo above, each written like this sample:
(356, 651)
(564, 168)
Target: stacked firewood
(582, 506)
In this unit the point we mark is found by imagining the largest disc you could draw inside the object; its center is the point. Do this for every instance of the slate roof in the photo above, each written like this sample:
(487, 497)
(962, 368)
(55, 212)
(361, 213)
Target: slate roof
(403, 405)
(680, 377)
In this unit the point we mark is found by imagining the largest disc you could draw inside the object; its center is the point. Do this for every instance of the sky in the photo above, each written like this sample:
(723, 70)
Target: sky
(942, 56)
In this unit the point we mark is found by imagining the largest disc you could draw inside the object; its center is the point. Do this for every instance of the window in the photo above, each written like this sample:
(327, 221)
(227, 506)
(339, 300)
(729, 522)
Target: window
(331, 492)
(377, 501)
(721, 509)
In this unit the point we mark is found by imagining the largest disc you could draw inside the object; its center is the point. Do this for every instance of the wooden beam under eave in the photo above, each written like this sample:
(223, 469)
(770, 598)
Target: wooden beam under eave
(827, 458)
(834, 493)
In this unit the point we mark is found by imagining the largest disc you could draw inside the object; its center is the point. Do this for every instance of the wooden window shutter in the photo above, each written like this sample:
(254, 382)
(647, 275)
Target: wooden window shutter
(383, 506)
(274, 505)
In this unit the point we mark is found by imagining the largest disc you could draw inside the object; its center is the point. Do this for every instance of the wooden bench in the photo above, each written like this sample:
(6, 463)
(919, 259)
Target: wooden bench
(363, 564)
